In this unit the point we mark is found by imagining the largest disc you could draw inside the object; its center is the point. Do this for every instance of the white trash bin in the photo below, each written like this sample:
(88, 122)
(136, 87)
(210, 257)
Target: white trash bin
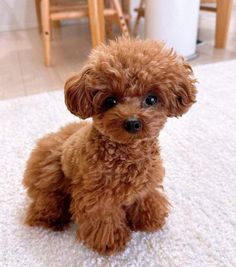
(175, 22)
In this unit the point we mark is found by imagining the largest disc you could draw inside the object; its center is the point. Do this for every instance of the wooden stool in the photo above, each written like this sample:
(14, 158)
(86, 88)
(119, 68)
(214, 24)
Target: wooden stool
(223, 11)
(48, 12)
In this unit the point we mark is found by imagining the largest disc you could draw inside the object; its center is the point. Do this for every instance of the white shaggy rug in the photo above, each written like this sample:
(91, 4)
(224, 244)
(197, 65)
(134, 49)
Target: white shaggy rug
(199, 152)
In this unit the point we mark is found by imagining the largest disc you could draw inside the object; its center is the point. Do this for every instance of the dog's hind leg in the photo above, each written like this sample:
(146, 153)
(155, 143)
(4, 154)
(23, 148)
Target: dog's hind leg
(50, 210)
(46, 184)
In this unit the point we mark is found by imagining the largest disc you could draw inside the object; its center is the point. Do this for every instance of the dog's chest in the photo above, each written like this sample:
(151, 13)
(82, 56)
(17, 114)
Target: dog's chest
(119, 166)
(119, 169)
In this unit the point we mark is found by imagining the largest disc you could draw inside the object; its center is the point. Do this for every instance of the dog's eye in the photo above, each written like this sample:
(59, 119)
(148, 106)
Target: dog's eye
(109, 102)
(150, 100)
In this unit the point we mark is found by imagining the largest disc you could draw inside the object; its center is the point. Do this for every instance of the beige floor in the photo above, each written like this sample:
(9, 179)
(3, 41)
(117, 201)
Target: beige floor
(21, 56)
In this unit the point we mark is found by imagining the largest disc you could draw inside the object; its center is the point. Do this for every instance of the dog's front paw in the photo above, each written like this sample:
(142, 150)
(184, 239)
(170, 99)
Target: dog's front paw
(149, 222)
(148, 214)
(105, 237)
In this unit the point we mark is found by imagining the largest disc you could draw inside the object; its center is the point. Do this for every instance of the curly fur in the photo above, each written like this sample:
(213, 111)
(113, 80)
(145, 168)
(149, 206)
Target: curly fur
(98, 174)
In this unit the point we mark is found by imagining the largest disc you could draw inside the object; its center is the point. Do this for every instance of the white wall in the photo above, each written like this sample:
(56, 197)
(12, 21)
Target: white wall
(17, 14)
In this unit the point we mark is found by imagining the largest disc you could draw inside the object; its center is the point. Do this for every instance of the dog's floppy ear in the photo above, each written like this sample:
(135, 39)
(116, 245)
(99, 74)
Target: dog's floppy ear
(78, 96)
(182, 92)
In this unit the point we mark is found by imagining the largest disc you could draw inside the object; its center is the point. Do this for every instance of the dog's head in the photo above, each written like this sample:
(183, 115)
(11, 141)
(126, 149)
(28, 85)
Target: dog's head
(130, 87)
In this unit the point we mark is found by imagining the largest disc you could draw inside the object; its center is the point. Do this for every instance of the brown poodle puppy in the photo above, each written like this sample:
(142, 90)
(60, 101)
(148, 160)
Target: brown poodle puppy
(104, 175)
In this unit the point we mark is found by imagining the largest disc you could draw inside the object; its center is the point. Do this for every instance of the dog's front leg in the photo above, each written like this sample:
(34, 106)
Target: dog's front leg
(149, 212)
(102, 226)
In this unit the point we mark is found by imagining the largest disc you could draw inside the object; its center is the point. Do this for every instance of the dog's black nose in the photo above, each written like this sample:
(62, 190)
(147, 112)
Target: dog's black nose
(132, 125)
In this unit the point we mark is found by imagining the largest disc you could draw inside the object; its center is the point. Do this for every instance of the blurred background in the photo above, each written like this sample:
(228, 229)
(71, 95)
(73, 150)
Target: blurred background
(42, 42)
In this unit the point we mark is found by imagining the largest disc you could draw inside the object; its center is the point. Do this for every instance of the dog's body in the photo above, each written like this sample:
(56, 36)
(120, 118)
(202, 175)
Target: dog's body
(105, 174)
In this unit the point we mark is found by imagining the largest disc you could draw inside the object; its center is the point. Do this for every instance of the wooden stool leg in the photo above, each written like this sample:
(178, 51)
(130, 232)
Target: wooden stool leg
(224, 8)
(139, 16)
(108, 21)
(109, 28)
(45, 11)
(97, 22)
(126, 9)
(123, 25)
(38, 13)
(136, 24)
